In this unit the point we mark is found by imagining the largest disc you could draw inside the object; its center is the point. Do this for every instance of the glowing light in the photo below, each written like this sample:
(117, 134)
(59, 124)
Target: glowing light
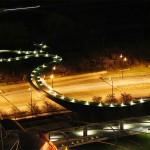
(19, 52)
(27, 52)
(34, 52)
(55, 94)
(125, 59)
(92, 137)
(17, 58)
(111, 105)
(73, 100)
(89, 132)
(52, 76)
(36, 55)
(131, 103)
(141, 100)
(50, 90)
(54, 68)
(122, 105)
(9, 59)
(46, 55)
(56, 57)
(56, 137)
(100, 105)
(97, 137)
(44, 66)
(26, 57)
(86, 103)
(1, 60)
(62, 97)
(20, 8)
(41, 51)
(44, 46)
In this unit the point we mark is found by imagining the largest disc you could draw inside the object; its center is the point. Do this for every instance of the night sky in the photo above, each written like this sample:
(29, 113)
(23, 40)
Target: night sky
(77, 25)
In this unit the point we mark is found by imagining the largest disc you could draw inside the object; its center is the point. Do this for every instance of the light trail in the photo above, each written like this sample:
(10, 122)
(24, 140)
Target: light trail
(19, 8)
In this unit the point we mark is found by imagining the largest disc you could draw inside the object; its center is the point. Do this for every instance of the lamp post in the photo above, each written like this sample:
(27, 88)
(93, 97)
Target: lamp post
(112, 87)
(52, 77)
(123, 59)
(31, 101)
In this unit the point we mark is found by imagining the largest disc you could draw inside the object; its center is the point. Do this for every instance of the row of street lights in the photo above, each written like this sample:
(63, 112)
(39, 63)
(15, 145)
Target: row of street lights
(123, 60)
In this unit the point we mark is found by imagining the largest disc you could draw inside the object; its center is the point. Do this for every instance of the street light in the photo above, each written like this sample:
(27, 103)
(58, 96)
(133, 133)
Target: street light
(112, 87)
(123, 59)
(54, 68)
(52, 77)
(31, 101)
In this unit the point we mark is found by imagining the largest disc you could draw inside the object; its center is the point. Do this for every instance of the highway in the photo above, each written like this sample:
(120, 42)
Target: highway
(82, 87)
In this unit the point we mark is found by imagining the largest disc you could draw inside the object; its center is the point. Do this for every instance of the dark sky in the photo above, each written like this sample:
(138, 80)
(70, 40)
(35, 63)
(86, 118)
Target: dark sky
(94, 21)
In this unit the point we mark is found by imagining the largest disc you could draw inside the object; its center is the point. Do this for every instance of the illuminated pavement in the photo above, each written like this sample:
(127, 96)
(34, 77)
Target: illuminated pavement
(82, 87)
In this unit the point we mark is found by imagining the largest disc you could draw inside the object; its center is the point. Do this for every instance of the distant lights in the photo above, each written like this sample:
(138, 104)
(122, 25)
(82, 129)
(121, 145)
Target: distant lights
(55, 57)
(44, 46)
(36, 55)
(17, 58)
(27, 52)
(26, 57)
(122, 105)
(41, 51)
(34, 71)
(86, 103)
(55, 94)
(34, 52)
(9, 59)
(73, 100)
(44, 66)
(111, 105)
(100, 105)
(62, 97)
(97, 137)
(141, 100)
(19, 52)
(46, 55)
(132, 103)
(50, 90)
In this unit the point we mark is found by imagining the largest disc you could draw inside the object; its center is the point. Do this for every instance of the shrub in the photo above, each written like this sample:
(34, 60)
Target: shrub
(97, 99)
(126, 98)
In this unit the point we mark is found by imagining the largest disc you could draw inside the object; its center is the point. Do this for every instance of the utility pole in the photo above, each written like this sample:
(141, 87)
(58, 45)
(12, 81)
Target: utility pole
(123, 59)
(31, 101)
